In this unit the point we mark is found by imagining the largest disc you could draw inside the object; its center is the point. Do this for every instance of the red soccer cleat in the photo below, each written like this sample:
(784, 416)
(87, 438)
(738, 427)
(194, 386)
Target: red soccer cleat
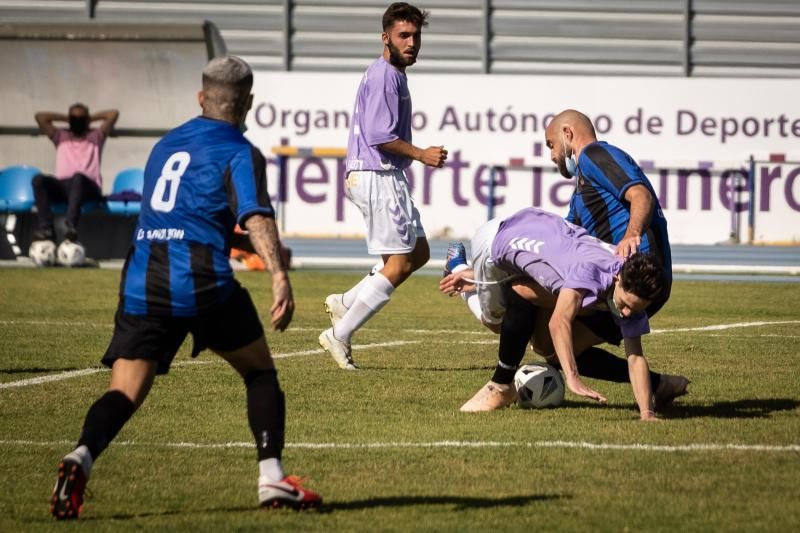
(287, 493)
(67, 500)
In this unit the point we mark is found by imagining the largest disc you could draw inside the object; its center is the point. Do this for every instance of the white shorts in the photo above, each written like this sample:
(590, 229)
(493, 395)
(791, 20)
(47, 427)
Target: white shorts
(391, 219)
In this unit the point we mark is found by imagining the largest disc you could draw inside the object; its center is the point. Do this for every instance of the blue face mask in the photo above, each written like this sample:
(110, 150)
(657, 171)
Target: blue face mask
(569, 161)
(572, 166)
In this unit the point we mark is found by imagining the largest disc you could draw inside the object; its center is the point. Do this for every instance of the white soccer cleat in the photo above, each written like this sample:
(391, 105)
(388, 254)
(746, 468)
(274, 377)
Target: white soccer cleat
(335, 308)
(492, 396)
(340, 351)
(288, 492)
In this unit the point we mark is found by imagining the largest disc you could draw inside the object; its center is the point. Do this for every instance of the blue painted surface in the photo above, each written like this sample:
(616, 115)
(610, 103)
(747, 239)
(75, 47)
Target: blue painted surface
(724, 255)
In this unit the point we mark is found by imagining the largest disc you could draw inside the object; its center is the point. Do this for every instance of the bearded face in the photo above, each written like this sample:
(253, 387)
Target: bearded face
(403, 41)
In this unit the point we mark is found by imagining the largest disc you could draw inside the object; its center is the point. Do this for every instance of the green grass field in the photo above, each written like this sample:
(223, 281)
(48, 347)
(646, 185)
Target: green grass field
(387, 447)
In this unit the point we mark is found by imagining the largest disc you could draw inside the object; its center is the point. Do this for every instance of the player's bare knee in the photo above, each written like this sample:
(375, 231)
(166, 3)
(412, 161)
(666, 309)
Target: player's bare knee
(252, 357)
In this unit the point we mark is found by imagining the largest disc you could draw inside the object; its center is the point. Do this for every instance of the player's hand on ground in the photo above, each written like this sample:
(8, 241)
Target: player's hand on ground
(453, 284)
(434, 156)
(576, 386)
(628, 246)
(649, 416)
(282, 308)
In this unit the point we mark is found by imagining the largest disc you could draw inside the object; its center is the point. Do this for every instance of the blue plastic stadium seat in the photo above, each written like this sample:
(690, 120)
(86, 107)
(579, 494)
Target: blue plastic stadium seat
(126, 193)
(16, 191)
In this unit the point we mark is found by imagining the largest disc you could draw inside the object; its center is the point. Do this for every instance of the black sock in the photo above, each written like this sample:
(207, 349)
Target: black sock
(266, 412)
(601, 364)
(515, 334)
(104, 420)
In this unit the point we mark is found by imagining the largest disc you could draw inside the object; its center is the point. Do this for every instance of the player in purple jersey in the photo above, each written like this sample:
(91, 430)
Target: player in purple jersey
(379, 149)
(214, 185)
(559, 266)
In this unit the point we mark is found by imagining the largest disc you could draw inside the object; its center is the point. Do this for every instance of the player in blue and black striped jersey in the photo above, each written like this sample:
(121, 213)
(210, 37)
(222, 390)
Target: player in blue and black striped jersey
(613, 199)
(201, 179)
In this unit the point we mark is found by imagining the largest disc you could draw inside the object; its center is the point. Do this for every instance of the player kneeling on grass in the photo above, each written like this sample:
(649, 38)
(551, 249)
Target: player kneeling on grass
(200, 180)
(583, 294)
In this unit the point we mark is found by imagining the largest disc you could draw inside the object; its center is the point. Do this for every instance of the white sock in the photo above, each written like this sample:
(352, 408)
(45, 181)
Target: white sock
(271, 469)
(374, 294)
(81, 454)
(473, 302)
(350, 296)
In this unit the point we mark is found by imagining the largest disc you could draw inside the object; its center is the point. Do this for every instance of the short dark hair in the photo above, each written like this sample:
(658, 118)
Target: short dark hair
(78, 105)
(643, 275)
(404, 11)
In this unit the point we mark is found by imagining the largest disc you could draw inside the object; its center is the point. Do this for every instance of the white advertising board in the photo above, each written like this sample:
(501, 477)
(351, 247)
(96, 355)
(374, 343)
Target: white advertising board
(694, 137)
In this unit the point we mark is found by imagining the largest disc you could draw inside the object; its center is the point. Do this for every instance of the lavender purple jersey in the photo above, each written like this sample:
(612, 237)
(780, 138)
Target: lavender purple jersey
(557, 254)
(382, 114)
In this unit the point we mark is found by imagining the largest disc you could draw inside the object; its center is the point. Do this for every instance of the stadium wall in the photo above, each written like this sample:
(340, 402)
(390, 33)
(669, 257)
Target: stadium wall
(489, 74)
(694, 136)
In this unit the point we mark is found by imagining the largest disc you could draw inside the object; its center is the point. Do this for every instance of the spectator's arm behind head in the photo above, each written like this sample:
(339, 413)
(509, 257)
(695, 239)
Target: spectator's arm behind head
(45, 121)
(109, 118)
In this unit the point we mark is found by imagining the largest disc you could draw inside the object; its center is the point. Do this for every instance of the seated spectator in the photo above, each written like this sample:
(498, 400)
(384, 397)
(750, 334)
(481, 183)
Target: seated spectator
(77, 178)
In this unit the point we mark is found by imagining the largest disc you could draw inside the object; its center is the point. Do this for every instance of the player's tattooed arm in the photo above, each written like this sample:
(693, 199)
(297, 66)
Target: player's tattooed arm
(264, 235)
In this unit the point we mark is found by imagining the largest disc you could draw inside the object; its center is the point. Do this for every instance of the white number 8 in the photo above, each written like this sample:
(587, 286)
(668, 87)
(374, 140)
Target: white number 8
(170, 178)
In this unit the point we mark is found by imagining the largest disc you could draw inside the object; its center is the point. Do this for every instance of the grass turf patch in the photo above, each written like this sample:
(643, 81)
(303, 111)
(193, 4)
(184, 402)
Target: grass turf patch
(387, 447)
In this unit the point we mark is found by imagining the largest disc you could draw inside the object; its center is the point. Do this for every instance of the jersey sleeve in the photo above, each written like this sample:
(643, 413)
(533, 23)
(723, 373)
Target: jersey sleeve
(247, 191)
(634, 325)
(381, 106)
(589, 278)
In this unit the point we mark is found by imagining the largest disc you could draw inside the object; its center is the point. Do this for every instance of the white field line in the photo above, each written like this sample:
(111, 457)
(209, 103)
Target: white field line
(53, 323)
(581, 445)
(88, 371)
(78, 373)
(720, 327)
(290, 330)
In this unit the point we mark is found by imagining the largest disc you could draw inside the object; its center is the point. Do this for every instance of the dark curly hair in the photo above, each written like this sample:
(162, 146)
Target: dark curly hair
(643, 275)
(404, 11)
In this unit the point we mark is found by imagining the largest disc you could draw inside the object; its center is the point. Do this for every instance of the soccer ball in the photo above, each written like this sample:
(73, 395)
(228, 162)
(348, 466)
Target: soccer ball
(71, 254)
(42, 253)
(539, 385)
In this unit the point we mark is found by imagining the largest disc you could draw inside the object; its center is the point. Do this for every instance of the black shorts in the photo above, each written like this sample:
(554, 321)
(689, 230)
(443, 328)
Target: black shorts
(228, 327)
(601, 323)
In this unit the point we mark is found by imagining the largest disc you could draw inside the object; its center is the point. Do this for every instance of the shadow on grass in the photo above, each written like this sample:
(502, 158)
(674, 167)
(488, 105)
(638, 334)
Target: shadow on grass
(459, 503)
(36, 370)
(747, 408)
(129, 516)
(397, 368)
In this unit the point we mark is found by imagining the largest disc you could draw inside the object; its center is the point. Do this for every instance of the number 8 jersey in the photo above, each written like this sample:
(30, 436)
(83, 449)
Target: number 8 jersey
(201, 179)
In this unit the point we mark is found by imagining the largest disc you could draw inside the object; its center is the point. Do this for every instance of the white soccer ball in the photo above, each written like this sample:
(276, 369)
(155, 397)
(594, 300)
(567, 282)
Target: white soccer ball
(42, 253)
(71, 254)
(539, 385)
